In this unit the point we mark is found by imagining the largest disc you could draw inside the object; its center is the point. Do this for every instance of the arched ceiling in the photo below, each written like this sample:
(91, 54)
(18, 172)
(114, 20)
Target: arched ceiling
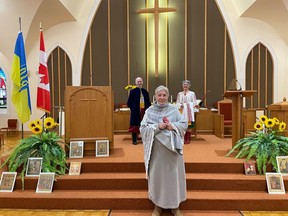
(272, 12)
(49, 12)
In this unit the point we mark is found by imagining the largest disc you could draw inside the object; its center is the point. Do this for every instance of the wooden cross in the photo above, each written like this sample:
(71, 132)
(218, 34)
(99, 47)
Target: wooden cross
(156, 10)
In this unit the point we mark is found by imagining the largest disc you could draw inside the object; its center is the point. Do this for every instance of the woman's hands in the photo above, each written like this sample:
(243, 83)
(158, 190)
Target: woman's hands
(163, 126)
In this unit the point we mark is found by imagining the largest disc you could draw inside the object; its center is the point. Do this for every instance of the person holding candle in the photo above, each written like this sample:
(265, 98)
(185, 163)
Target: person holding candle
(138, 102)
(162, 130)
(187, 104)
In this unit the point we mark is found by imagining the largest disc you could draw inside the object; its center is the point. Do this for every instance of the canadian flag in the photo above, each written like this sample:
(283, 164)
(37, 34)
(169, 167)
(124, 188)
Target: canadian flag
(43, 90)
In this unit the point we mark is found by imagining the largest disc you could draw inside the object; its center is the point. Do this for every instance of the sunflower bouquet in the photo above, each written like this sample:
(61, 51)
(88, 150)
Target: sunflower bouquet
(265, 144)
(44, 143)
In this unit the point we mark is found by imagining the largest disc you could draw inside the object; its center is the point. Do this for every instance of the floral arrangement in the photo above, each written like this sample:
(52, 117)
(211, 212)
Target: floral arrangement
(43, 143)
(130, 87)
(265, 144)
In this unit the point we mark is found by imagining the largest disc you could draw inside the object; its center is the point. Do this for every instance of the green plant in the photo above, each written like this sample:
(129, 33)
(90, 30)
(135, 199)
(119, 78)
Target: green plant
(265, 144)
(43, 143)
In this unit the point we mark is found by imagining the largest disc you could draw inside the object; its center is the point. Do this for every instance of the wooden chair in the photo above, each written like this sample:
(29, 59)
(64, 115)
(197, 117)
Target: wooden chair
(223, 120)
(11, 126)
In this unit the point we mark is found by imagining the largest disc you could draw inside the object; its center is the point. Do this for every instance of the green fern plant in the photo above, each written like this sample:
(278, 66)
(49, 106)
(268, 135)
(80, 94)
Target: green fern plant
(265, 144)
(42, 143)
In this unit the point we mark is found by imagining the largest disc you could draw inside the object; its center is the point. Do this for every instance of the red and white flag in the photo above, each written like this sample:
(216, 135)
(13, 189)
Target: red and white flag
(43, 90)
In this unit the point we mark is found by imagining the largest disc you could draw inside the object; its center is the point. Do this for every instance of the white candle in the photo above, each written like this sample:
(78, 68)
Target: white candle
(171, 99)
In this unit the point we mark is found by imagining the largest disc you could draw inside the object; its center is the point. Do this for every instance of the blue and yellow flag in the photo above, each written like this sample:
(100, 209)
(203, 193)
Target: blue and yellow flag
(21, 93)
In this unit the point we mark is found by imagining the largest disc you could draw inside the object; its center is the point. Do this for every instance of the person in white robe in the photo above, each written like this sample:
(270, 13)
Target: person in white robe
(187, 104)
(162, 130)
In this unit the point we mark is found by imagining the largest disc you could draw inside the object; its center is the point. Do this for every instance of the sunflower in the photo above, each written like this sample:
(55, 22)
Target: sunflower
(276, 121)
(263, 118)
(269, 123)
(258, 126)
(282, 126)
(49, 123)
(37, 121)
(37, 129)
(32, 125)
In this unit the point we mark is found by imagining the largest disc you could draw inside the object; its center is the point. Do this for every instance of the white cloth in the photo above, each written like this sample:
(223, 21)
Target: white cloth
(185, 100)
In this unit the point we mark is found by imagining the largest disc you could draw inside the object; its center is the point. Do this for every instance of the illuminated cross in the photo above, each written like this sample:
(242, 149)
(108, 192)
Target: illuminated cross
(156, 10)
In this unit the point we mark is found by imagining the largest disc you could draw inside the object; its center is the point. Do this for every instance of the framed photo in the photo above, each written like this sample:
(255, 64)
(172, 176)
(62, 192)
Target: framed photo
(282, 164)
(102, 148)
(45, 182)
(7, 181)
(275, 183)
(75, 168)
(76, 149)
(250, 168)
(34, 166)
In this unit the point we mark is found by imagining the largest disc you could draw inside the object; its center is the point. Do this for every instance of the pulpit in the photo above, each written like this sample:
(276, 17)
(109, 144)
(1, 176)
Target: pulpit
(280, 111)
(89, 113)
(237, 101)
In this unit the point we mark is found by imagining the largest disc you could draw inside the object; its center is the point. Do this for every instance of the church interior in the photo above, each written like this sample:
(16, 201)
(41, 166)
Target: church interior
(232, 51)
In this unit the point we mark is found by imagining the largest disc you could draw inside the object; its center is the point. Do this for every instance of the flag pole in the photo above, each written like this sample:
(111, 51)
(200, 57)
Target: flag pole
(22, 130)
(20, 23)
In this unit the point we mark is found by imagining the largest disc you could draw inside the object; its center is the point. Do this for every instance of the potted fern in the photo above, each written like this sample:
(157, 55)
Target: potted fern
(43, 143)
(265, 144)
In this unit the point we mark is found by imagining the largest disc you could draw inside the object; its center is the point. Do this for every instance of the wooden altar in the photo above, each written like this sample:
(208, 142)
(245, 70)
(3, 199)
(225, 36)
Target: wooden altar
(89, 113)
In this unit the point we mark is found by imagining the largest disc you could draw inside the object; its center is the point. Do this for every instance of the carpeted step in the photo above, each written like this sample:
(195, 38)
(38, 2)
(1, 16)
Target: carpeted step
(92, 165)
(137, 181)
(137, 200)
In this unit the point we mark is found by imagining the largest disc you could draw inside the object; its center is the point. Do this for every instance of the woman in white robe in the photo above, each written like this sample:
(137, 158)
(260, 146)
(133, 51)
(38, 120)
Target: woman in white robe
(187, 104)
(162, 130)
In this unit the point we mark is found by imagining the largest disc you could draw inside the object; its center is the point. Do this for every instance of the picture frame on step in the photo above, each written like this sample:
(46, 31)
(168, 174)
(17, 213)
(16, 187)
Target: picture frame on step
(75, 168)
(250, 168)
(45, 182)
(34, 166)
(282, 165)
(275, 183)
(7, 181)
(102, 148)
(76, 149)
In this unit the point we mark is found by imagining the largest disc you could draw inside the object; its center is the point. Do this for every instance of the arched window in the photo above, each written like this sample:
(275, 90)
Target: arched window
(60, 74)
(259, 76)
(3, 92)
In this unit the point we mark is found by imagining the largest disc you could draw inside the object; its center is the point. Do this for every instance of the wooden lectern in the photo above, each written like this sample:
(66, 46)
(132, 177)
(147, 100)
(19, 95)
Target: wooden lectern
(237, 101)
(89, 114)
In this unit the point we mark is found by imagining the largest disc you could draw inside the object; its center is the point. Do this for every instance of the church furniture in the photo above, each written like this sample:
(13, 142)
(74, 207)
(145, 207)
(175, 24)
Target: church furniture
(89, 113)
(280, 111)
(237, 101)
(1, 139)
(121, 119)
(11, 126)
(248, 118)
(224, 118)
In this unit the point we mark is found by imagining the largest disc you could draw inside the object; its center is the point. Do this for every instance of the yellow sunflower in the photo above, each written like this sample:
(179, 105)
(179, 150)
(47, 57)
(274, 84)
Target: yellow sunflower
(282, 126)
(263, 118)
(32, 125)
(269, 123)
(258, 126)
(49, 123)
(276, 121)
(37, 129)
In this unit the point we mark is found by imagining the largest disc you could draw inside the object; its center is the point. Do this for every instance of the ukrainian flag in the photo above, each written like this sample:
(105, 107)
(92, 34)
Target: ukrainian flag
(21, 93)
